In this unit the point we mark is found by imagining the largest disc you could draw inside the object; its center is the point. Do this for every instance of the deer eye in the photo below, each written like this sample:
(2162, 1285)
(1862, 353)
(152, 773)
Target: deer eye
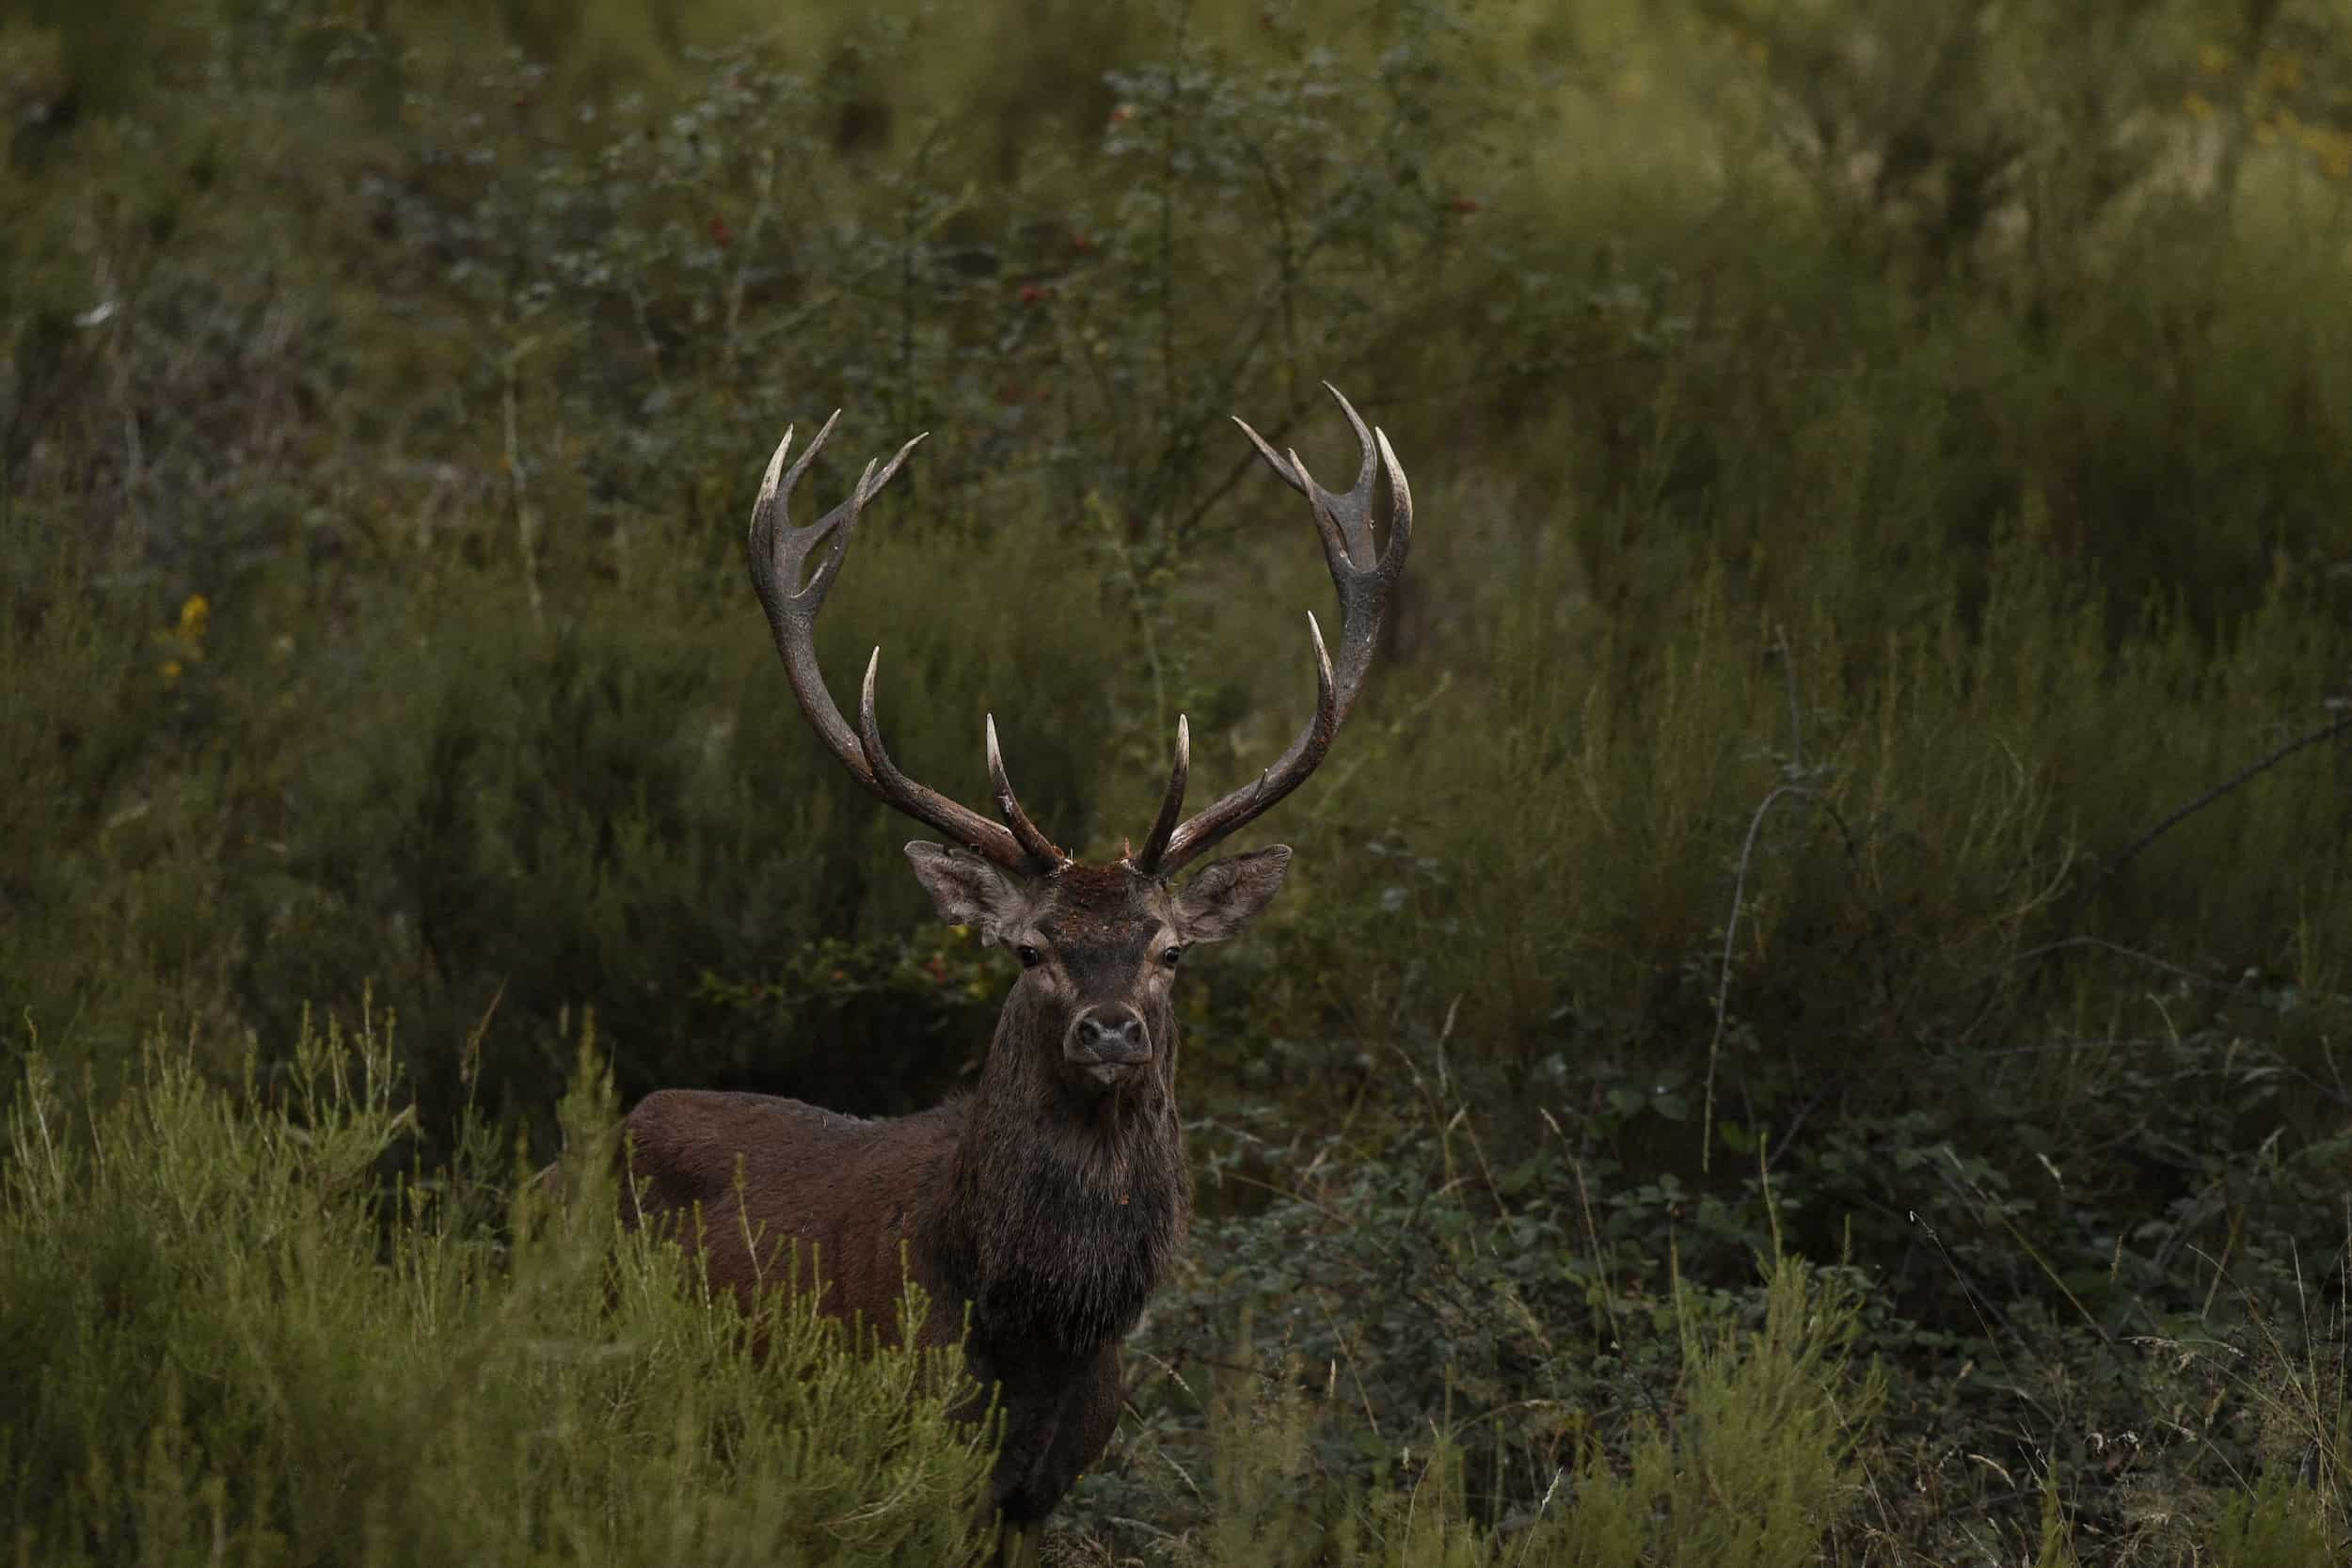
(1029, 958)
(1169, 955)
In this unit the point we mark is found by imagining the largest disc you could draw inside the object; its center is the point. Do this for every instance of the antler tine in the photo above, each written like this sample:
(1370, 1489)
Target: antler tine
(778, 553)
(1343, 518)
(1171, 803)
(1273, 459)
(960, 822)
(1035, 844)
(1400, 510)
(1357, 518)
(1363, 576)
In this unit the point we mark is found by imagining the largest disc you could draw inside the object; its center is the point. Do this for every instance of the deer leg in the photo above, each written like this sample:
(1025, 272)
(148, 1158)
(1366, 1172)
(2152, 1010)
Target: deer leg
(1030, 1426)
(1089, 1414)
(1049, 1442)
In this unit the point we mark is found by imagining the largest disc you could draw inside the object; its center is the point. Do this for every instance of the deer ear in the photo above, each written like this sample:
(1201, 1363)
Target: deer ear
(965, 889)
(1225, 895)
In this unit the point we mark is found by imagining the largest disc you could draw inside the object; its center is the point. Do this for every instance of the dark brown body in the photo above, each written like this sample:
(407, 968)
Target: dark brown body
(857, 1192)
(1044, 1203)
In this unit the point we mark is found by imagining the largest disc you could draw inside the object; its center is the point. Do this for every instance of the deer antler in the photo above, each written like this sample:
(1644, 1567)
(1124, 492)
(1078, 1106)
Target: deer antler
(778, 553)
(1364, 574)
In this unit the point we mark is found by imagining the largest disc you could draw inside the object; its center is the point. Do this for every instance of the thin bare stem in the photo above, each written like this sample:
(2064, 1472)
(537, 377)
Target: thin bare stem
(1722, 977)
(2236, 781)
(517, 478)
(744, 253)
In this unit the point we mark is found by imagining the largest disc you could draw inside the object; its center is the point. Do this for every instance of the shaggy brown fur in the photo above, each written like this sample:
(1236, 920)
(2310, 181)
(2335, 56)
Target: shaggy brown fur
(1047, 1202)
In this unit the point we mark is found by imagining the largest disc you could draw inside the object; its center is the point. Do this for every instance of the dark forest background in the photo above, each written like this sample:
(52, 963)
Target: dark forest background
(1809, 1020)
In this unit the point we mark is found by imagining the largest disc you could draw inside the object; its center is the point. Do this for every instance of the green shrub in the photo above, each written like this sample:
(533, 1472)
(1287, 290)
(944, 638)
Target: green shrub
(1747, 1454)
(226, 1338)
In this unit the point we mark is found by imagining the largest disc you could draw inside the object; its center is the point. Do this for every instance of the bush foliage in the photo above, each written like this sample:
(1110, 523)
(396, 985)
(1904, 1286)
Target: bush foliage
(228, 1340)
(1858, 774)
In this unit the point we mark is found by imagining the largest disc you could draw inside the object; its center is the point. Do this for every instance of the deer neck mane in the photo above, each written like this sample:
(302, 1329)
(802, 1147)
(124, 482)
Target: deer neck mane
(1062, 1212)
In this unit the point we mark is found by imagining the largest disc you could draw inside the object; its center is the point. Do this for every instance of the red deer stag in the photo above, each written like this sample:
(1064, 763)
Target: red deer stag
(1049, 1199)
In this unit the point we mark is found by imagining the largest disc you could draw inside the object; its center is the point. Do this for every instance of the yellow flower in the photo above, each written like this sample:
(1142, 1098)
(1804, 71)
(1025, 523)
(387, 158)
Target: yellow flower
(2197, 105)
(2211, 58)
(183, 643)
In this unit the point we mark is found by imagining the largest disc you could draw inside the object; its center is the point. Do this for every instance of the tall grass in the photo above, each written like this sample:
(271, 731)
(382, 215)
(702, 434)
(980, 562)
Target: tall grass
(240, 1328)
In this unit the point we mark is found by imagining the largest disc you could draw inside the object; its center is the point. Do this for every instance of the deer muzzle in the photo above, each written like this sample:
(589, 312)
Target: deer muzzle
(1108, 1044)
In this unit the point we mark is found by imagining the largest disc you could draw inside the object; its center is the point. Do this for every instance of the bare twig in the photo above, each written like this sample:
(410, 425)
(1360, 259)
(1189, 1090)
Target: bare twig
(1722, 977)
(2044, 949)
(2342, 724)
(652, 343)
(526, 524)
(738, 285)
(1789, 677)
(1998, 979)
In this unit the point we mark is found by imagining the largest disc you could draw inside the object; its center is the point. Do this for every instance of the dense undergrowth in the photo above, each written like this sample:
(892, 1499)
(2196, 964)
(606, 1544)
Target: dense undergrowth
(229, 1341)
(1859, 772)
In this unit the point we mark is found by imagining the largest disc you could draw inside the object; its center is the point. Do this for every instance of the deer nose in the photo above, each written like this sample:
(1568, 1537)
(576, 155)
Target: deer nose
(1112, 1037)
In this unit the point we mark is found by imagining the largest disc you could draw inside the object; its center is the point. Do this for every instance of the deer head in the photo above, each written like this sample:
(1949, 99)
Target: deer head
(1099, 944)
